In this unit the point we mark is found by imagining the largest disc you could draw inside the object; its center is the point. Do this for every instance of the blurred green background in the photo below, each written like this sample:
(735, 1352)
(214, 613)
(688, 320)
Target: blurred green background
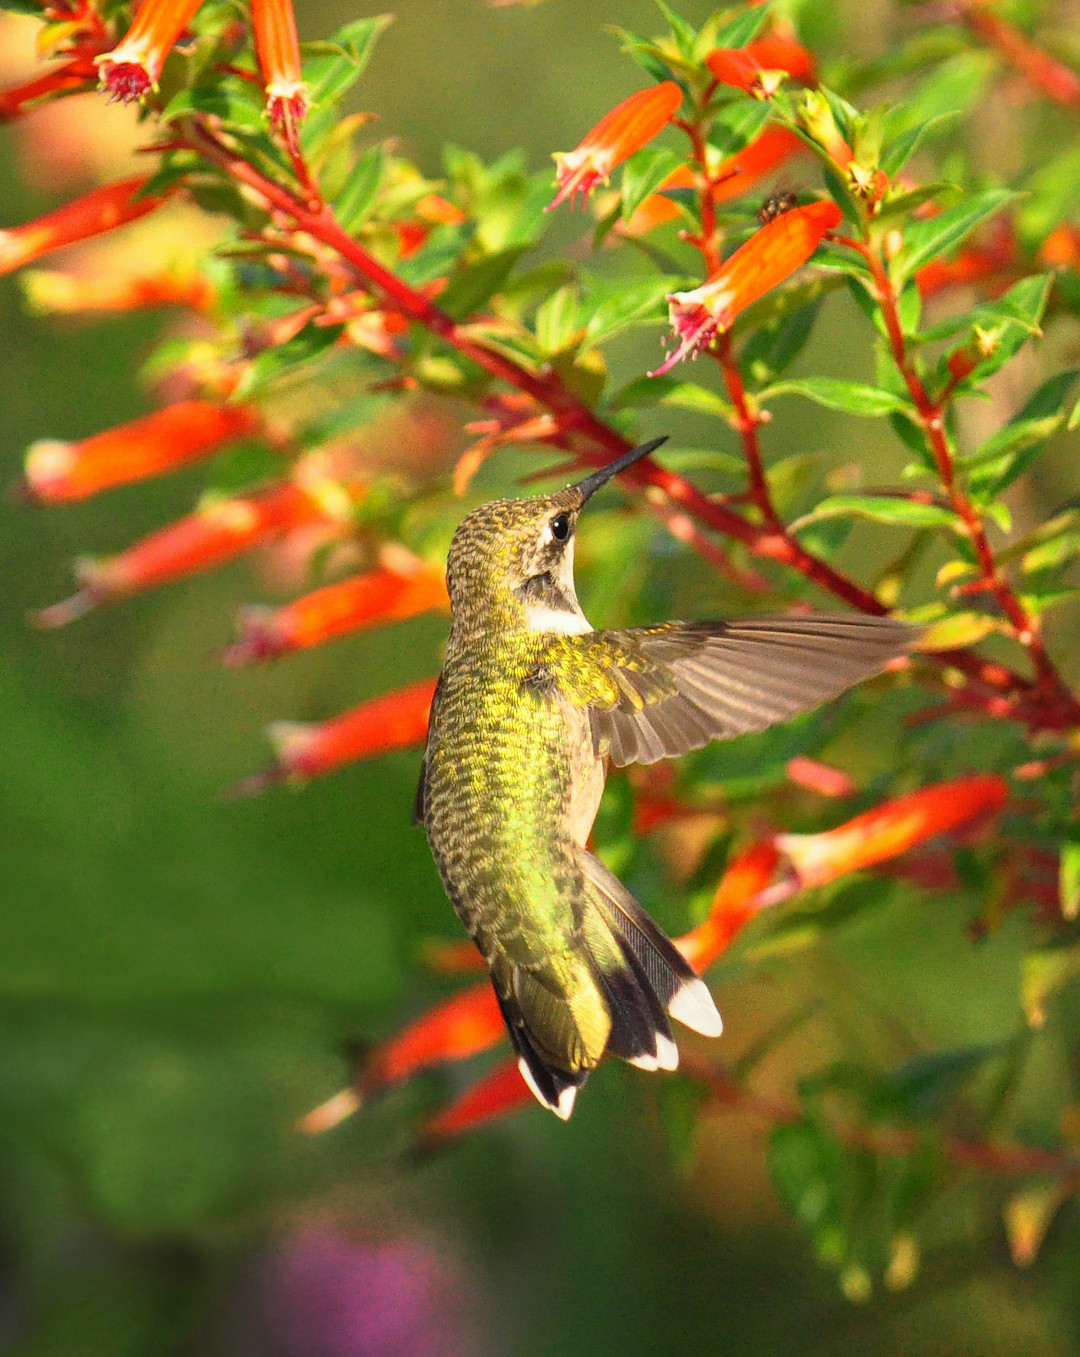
(180, 976)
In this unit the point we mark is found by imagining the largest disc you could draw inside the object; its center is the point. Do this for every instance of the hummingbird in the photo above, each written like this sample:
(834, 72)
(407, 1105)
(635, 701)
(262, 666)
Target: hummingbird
(532, 708)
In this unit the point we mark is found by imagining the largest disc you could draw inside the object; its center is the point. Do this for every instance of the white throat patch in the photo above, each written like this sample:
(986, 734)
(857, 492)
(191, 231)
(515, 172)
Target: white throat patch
(540, 618)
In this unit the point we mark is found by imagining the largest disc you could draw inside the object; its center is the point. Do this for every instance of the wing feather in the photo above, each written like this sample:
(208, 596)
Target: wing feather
(684, 684)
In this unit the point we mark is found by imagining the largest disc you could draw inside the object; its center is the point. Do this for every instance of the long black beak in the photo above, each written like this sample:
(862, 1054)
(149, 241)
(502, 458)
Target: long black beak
(592, 483)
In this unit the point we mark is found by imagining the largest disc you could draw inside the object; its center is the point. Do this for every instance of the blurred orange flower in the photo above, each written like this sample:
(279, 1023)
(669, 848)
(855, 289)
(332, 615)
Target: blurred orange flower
(100, 210)
(892, 828)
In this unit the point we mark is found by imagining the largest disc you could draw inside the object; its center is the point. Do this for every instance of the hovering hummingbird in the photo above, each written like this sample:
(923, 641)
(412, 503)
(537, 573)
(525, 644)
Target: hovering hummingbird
(531, 708)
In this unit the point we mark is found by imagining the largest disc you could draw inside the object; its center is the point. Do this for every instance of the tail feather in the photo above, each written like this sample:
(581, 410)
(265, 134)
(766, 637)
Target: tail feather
(619, 1001)
(669, 975)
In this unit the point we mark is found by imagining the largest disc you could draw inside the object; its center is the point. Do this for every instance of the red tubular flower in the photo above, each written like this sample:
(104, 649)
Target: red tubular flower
(892, 828)
(132, 69)
(499, 1093)
(215, 533)
(364, 601)
(767, 152)
(73, 75)
(58, 472)
(1056, 80)
(735, 66)
(303, 750)
(462, 1025)
(819, 777)
(734, 905)
(766, 259)
(100, 210)
(974, 263)
(784, 54)
(69, 294)
(626, 129)
(279, 58)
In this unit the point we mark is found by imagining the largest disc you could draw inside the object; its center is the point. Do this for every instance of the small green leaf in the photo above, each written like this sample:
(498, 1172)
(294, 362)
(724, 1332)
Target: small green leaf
(853, 398)
(1069, 879)
(673, 393)
(474, 284)
(900, 151)
(643, 174)
(1013, 448)
(625, 304)
(901, 513)
(1049, 555)
(355, 201)
(1044, 973)
(1052, 194)
(743, 28)
(330, 75)
(685, 34)
(926, 240)
(957, 630)
(274, 363)
(557, 321)
(737, 124)
(646, 54)
(775, 347)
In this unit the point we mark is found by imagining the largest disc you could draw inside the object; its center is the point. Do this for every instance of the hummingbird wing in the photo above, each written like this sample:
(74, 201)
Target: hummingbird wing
(677, 687)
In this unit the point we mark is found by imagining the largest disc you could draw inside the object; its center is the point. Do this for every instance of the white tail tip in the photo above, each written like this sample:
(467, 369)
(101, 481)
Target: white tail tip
(693, 1006)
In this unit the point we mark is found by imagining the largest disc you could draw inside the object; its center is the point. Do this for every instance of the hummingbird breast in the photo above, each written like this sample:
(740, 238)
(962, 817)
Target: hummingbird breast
(512, 788)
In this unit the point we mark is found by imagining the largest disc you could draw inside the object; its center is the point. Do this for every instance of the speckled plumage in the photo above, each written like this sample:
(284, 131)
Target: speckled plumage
(530, 706)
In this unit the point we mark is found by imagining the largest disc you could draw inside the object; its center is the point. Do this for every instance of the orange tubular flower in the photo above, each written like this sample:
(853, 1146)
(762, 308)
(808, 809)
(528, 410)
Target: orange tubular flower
(626, 129)
(766, 259)
(100, 210)
(59, 472)
(784, 54)
(499, 1093)
(995, 255)
(303, 750)
(364, 601)
(734, 905)
(819, 777)
(767, 152)
(279, 58)
(67, 79)
(892, 828)
(131, 70)
(213, 534)
(462, 1025)
(737, 67)
(68, 294)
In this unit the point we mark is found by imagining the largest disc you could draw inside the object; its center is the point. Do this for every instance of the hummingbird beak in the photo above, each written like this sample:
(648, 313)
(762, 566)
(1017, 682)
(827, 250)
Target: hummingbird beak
(592, 483)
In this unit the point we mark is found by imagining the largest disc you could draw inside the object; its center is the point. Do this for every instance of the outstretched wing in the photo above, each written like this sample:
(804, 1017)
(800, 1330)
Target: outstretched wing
(677, 687)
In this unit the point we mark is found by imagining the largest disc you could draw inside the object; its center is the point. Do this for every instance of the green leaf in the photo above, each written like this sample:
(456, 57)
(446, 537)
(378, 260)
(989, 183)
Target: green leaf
(775, 347)
(1058, 551)
(673, 393)
(474, 284)
(743, 28)
(1069, 879)
(330, 76)
(643, 174)
(685, 34)
(953, 87)
(625, 304)
(853, 398)
(925, 1085)
(1044, 974)
(557, 322)
(646, 54)
(899, 152)
(238, 104)
(956, 630)
(901, 513)
(737, 124)
(355, 201)
(312, 341)
(807, 1169)
(926, 240)
(1052, 194)
(1009, 452)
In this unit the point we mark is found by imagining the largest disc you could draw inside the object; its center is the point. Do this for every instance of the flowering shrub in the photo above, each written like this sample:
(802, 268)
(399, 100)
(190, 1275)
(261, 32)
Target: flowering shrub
(730, 201)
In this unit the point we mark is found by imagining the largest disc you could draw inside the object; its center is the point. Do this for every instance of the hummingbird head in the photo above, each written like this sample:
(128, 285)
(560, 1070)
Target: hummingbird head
(512, 561)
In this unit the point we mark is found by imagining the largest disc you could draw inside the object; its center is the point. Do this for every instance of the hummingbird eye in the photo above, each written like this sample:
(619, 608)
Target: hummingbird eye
(560, 527)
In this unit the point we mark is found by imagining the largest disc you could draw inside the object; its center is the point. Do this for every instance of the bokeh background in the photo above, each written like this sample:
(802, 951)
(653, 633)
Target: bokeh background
(179, 975)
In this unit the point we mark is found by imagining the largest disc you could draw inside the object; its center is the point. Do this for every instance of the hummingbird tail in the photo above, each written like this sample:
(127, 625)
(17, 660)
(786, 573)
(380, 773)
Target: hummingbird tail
(659, 970)
(550, 1084)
